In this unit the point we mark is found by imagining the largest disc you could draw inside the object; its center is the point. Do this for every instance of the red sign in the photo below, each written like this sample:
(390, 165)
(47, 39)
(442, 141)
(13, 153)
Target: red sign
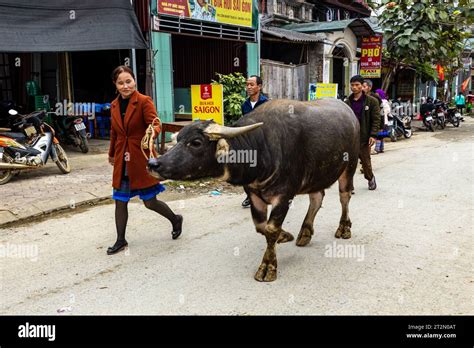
(174, 7)
(371, 57)
(206, 92)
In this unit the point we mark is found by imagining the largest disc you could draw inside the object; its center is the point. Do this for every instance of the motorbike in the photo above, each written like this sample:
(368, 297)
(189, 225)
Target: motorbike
(426, 113)
(398, 126)
(71, 130)
(453, 116)
(438, 114)
(31, 148)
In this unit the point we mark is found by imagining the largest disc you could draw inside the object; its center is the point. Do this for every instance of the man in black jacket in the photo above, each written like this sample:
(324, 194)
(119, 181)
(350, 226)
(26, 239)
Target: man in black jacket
(367, 111)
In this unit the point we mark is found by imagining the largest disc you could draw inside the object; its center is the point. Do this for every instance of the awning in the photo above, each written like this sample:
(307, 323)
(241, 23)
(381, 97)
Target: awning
(68, 25)
(358, 26)
(293, 35)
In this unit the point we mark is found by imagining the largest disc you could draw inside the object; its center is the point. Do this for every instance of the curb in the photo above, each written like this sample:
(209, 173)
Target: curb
(46, 213)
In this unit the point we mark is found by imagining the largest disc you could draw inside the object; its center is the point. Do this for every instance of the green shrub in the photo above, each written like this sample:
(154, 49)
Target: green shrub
(234, 95)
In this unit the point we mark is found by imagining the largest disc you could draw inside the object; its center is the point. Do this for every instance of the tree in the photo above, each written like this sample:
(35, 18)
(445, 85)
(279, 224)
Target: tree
(422, 33)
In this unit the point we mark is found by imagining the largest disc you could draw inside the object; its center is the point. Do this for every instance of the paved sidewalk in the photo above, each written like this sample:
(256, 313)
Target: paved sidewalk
(45, 190)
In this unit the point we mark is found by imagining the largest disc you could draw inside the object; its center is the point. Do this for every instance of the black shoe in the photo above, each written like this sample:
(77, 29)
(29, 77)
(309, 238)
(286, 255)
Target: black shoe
(177, 227)
(246, 203)
(372, 184)
(118, 246)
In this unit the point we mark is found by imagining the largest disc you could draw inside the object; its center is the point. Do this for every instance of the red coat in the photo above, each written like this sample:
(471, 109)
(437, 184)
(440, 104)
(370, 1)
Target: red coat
(126, 137)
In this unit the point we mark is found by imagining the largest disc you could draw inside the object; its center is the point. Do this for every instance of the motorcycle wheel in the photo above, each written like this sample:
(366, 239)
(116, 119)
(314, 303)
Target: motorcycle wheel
(5, 175)
(455, 122)
(407, 133)
(431, 126)
(84, 144)
(63, 161)
(442, 123)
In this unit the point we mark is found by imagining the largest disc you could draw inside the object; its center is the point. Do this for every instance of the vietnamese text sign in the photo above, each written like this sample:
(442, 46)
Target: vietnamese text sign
(371, 57)
(322, 90)
(237, 12)
(207, 103)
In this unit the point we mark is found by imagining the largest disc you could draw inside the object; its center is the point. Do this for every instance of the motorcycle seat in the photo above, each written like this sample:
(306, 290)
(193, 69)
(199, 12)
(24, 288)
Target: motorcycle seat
(20, 137)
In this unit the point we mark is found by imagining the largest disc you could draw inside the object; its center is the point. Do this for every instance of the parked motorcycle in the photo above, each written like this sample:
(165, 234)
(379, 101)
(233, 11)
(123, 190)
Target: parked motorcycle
(71, 130)
(426, 112)
(453, 116)
(31, 148)
(439, 114)
(399, 126)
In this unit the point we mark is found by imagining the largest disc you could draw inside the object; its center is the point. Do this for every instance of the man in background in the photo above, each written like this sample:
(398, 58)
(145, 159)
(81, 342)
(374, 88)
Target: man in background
(255, 99)
(367, 111)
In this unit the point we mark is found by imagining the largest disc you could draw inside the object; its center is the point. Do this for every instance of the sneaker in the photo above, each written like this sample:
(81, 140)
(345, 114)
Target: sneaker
(372, 184)
(246, 203)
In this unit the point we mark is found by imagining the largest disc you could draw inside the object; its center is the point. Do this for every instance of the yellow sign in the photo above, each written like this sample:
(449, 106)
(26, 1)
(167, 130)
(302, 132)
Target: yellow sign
(207, 103)
(326, 90)
(237, 12)
(370, 73)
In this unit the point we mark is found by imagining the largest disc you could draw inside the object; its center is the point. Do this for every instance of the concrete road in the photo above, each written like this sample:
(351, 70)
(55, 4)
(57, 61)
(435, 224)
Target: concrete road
(411, 250)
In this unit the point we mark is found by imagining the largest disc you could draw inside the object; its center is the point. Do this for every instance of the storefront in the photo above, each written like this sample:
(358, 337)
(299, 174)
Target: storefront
(69, 55)
(340, 58)
(290, 61)
(194, 40)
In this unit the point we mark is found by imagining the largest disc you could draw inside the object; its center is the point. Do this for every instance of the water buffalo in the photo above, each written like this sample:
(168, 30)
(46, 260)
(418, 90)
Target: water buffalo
(300, 147)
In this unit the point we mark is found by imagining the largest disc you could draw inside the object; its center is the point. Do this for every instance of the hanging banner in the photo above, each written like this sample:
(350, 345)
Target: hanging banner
(322, 90)
(371, 57)
(207, 103)
(237, 12)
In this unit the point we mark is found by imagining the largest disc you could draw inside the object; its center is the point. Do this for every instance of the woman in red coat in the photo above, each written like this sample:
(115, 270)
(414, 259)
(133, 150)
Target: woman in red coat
(131, 113)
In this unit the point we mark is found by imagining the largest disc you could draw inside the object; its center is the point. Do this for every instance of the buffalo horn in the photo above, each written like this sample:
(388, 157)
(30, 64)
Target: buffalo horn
(215, 131)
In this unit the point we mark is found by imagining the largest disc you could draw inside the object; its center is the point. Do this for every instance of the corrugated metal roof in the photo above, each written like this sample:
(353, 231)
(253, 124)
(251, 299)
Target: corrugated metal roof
(358, 26)
(293, 35)
(374, 24)
(52, 26)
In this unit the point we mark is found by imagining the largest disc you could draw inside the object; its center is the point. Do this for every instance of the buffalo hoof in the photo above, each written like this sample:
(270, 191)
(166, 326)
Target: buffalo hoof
(266, 273)
(285, 237)
(343, 232)
(304, 237)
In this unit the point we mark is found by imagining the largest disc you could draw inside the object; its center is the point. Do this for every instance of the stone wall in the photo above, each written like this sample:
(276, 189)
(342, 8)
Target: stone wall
(315, 59)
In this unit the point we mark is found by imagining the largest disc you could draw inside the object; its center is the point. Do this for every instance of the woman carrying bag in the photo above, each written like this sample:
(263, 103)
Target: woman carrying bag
(131, 113)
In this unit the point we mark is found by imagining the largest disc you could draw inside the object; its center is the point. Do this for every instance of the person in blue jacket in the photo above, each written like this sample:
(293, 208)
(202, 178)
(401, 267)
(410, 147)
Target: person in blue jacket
(255, 98)
(254, 92)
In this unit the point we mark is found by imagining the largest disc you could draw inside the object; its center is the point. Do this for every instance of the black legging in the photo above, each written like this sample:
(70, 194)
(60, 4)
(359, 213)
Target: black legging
(121, 215)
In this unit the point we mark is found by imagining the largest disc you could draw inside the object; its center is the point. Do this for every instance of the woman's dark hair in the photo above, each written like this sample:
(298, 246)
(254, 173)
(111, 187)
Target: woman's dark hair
(120, 69)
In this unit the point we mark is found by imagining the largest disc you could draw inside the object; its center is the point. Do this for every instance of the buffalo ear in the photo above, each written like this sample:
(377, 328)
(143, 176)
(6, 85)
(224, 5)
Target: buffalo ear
(215, 131)
(222, 148)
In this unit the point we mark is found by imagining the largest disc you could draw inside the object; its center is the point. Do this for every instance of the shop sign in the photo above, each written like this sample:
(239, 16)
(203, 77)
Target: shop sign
(322, 90)
(236, 12)
(207, 103)
(371, 57)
